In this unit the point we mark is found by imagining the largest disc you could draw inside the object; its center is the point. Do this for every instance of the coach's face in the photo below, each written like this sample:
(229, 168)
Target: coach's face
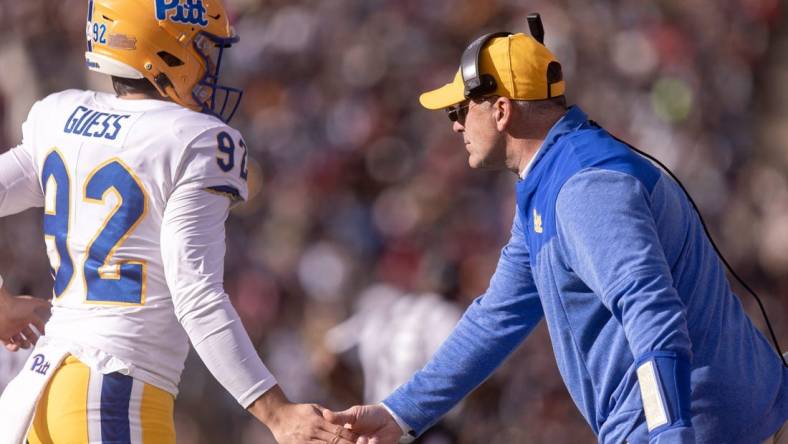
(477, 121)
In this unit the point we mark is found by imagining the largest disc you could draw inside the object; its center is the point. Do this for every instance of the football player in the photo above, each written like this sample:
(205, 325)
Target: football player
(136, 188)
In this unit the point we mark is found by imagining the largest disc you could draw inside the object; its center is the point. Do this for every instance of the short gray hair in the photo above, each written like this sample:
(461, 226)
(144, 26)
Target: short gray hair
(541, 106)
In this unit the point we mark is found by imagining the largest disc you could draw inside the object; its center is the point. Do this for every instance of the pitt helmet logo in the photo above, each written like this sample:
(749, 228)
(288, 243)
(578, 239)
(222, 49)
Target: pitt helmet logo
(537, 222)
(191, 12)
(40, 365)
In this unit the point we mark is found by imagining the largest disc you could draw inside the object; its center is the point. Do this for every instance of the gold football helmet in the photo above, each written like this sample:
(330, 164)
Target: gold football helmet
(177, 45)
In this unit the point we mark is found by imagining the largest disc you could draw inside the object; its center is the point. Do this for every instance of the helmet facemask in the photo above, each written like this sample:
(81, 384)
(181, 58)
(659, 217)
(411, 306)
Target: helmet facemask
(215, 99)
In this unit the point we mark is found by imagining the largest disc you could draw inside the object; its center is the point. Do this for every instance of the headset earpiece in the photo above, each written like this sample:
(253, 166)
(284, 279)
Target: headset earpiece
(477, 84)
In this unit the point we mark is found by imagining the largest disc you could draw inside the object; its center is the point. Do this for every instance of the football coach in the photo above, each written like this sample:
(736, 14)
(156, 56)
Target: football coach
(650, 341)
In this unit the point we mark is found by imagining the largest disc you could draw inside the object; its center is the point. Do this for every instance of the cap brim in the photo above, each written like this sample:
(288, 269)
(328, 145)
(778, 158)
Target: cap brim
(445, 96)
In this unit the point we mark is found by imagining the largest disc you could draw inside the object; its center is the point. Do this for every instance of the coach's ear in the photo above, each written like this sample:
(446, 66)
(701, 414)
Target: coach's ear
(502, 113)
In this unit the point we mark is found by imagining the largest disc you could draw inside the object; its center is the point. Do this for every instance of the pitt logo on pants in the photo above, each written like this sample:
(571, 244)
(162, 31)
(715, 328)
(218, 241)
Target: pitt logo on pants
(40, 364)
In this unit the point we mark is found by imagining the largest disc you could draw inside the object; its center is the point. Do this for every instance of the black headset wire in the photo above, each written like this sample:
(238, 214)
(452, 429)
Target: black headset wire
(713, 244)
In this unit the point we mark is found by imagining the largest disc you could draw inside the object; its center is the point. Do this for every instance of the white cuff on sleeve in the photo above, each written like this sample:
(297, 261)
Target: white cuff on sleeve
(407, 431)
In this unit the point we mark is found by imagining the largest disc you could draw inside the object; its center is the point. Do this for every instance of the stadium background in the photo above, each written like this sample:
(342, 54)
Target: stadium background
(361, 186)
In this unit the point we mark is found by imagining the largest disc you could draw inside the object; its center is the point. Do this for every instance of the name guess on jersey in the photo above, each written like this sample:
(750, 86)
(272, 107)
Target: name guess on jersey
(186, 11)
(92, 123)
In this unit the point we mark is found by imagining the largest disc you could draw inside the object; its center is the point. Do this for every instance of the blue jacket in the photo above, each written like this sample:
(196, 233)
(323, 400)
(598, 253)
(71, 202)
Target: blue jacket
(609, 251)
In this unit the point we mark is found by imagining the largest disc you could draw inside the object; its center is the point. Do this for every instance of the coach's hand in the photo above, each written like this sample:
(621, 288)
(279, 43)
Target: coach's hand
(17, 314)
(297, 423)
(373, 423)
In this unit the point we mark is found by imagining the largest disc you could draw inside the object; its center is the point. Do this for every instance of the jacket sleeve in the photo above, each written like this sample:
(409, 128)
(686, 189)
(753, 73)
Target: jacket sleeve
(606, 226)
(491, 328)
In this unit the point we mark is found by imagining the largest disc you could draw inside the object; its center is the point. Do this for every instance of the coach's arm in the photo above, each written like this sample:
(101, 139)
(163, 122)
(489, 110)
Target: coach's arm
(607, 227)
(491, 328)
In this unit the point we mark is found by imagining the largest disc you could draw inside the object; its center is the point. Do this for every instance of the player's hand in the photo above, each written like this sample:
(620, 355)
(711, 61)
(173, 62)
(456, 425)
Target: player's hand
(17, 314)
(373, 423)
(297, 423)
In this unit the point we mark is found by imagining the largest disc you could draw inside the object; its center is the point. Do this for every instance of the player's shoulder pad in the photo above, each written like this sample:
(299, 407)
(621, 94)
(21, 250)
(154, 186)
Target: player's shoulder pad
(57, 99)
(215, 157)
(41, 113)
(202, 134)
(189, 125)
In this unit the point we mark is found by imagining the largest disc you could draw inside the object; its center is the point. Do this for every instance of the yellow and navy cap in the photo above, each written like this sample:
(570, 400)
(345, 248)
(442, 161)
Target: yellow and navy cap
(523, 69)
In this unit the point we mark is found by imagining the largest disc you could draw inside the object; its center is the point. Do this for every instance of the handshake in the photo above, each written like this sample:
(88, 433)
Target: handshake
(293, 423)
(373, 423)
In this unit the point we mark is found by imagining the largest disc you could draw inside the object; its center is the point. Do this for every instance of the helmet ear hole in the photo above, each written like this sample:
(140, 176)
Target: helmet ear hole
(163, 82)
(169, 59)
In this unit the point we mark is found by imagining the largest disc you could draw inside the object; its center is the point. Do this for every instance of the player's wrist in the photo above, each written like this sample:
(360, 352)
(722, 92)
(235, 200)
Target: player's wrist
(269, 406)
(5, 297)
(6, 307)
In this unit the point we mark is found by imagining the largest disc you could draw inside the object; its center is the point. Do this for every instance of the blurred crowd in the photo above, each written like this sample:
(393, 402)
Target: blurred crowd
(356, 188)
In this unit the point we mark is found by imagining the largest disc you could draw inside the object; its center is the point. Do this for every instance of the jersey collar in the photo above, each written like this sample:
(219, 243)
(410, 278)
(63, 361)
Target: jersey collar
(573, 119)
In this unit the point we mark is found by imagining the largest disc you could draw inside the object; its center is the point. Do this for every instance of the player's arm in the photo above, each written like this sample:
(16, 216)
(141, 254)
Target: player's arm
(193, 249)
(491, 328)
(19, 186)
(606, 225)
(20, 190)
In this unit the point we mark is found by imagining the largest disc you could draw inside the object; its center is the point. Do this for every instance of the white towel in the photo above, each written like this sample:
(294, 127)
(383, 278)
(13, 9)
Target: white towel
(18, 402)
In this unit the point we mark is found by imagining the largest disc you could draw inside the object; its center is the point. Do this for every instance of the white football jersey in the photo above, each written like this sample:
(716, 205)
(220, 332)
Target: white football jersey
(107, 168)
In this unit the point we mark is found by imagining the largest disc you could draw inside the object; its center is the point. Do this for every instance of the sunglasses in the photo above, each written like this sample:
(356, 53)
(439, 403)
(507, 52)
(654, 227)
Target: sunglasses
(457, 113)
